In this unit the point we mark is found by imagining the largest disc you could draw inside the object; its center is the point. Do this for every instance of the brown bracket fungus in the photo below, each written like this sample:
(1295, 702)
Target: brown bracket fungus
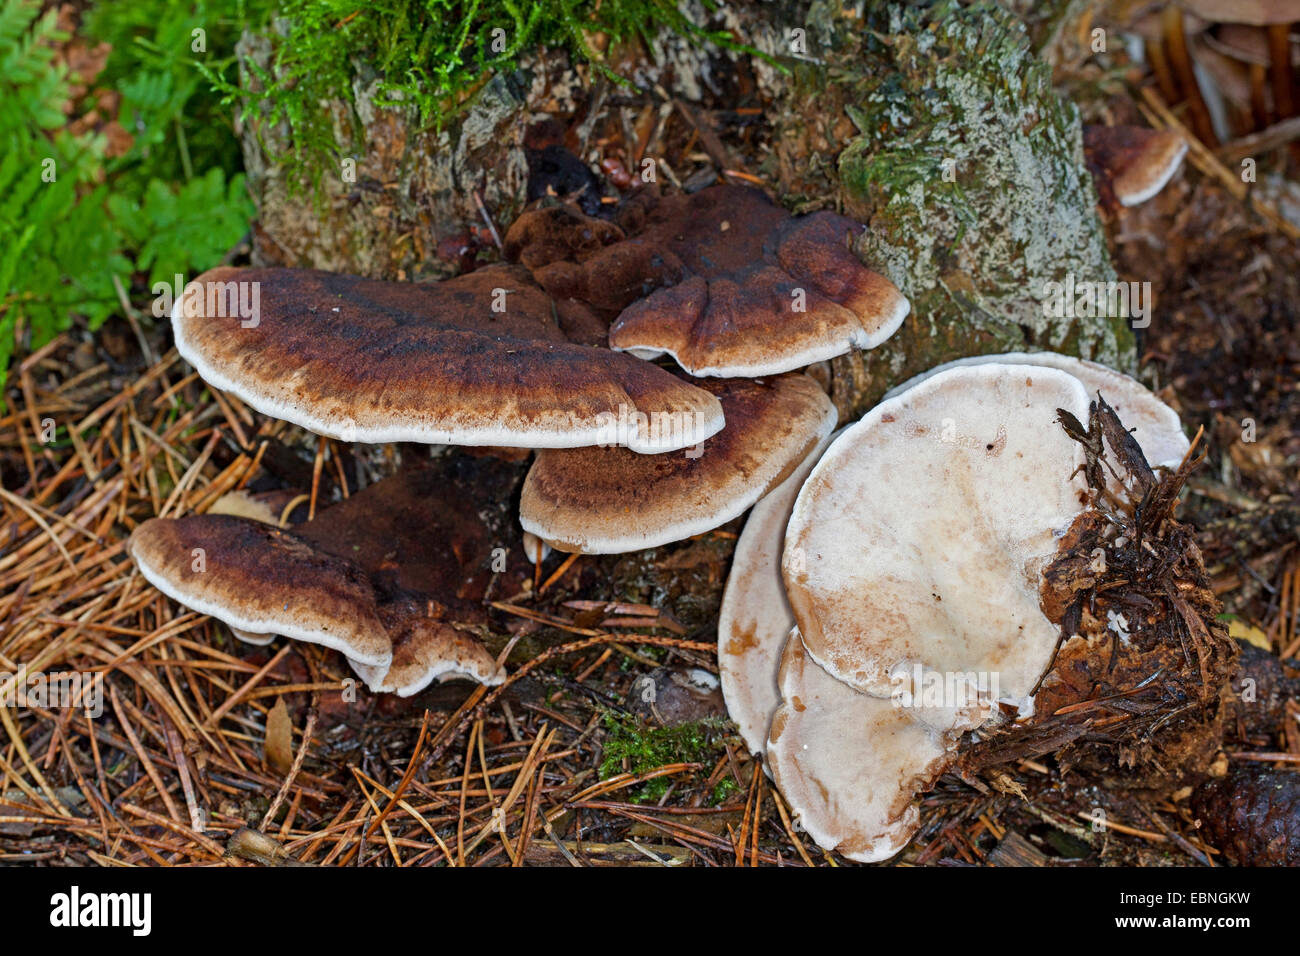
(481, 359)
(610, 500)
(391, 576)
(263, 580)
(266, 508)
(723, 280)
(553, 241)
(424, 651)
(1255, 12)
(749, 290)
(1132, 163)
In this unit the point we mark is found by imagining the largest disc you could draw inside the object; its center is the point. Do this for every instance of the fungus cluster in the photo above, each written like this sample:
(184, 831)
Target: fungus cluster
(549, 351)
(394, 577)
(875, 565)
(911, 607)
(612, 500)
(486, 358)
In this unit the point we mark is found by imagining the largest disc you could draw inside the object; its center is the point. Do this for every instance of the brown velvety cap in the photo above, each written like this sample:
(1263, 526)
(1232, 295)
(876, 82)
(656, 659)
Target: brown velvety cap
(443, 531)
(540, 237)
(1132, 163)
(748, 289)
(425, 650)
(723, 280)
(610, 500)
(366, 360)
(263, 580)
(1256, 12)
(391, 576)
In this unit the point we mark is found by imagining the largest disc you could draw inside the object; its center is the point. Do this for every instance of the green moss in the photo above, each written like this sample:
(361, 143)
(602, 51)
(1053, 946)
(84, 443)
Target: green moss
(725, 788)
(428, 56)
(631, 747)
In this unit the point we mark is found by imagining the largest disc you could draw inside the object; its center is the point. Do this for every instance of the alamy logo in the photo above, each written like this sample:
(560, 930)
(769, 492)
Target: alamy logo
(921, 688)
(663, 431)
(1072, 299)
(57, 690)
(213, 300)
(76, 909)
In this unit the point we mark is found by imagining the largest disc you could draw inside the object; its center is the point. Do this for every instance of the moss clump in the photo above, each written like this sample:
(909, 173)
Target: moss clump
(945, 136)
(725, 788)
(426, 57)
(632, 747)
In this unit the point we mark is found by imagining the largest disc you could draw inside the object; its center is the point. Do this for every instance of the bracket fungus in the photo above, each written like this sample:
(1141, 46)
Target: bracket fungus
(393, 576)
(724, 281)
(755, 616)
(1156, 427)
(942, 572)
(936, 610)
(609, 500)
(481, 359)
(849, 764)
(263, 580)
(1132, 163)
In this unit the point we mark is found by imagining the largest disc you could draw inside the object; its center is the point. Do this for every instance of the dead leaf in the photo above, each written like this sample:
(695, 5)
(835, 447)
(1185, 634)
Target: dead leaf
(247, 844)
(1242, 631)
(279, 738)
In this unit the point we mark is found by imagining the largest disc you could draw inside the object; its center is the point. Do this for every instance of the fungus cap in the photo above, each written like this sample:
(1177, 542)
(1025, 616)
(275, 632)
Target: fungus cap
(1134, 161)
(919, 539)
(755, 618)
(849, 765)
(1156, 427)
(740, 288)
(262, 580)
(248, 637)
(244, 504)
(609, 500)
(425, 651)
(1240, 42)
(480, 359)
(386, 576)
(1258, 13)
(535, 549)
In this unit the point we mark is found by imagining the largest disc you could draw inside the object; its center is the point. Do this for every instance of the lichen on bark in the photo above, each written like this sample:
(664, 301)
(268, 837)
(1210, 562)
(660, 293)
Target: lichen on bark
(937, 126)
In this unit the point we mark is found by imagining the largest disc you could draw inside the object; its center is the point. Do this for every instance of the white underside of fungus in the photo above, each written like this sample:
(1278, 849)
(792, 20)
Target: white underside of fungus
(912, 565)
